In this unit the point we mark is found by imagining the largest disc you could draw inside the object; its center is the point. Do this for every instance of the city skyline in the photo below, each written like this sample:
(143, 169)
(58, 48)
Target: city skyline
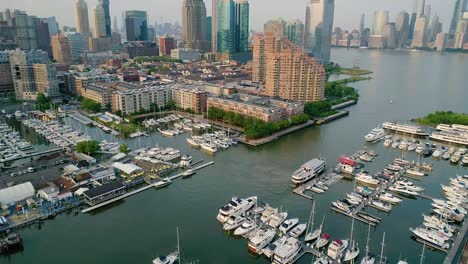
(346, 15)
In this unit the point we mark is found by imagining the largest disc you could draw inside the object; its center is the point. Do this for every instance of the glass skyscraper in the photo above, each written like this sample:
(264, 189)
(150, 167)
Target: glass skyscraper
(136, 25)
(233, 26)
(107, 19)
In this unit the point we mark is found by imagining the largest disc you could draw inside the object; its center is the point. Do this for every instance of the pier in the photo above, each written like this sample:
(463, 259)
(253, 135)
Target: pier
(328, 179)
(140, 190)
(456, 252)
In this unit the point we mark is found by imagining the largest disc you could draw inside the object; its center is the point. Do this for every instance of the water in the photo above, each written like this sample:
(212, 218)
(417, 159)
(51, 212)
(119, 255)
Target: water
(139, 228)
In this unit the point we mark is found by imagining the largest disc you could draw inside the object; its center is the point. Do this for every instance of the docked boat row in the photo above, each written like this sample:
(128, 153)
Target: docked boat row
(12, 146)
(158, 153)
(456, 134)
(440, 229)
(57, 133)
(404, 128)
(212, 142)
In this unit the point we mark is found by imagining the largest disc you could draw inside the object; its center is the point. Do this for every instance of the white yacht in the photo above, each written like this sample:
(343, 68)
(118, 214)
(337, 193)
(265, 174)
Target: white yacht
(269, 251)
(365, 178)
(450, 137)
(341, 205)
(389, 198)
(375, 135)
(337, 248)
(210, 147)
(298, 230)
(414, 172)
(402, 190)
(431, 237)
(441, 229)
(261, 239)
(288, 225)
(388, 142)
(382, 206)
(268, 213)
(308, 171)
(245, 228)
(313, 234)
(193, 142)
(414, 130)
(287, 252)
(277, 219)
(235, 207)
(409, 185)
(233, 223)
(169, 259)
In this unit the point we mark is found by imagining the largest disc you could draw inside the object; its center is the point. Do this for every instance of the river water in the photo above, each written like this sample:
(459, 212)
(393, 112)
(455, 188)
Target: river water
(142, 227)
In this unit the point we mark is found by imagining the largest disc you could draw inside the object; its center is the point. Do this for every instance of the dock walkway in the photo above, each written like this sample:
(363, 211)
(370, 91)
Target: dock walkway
(329, 178)
(456, 251)
(140, 190)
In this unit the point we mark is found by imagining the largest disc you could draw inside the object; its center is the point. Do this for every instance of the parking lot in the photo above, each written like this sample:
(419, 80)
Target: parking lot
(37, 173)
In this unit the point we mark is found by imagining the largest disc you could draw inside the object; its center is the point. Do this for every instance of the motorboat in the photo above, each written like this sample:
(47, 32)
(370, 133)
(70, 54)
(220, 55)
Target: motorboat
(456, 157)
(235, 207)
(269, 251)
(188, 173)
(394, 167)
(375, 135)
(446, 155)
(288, 225)
(193, 142)
(364, 190)
(414, 172)
(162, 183)
(431, 237)
(365, 178)
(449, 205)
(323, 241)
(286, 253)
(337, 248)
(298, 230)
(315, 189)
(403, 145)
(437, 153)
(341, 205)
(268, 213)
(441, 229)
(346, 168)
(169, 259)
(277, 219)
(388, 142)
(233, 223)
(396, 143)
(438, 221)
(409, 185)
(210, 147)
(402, 190)
(382, 206)
(351, 254)
(261, 239)
(308, 171)
(390, 198)
(245, 228)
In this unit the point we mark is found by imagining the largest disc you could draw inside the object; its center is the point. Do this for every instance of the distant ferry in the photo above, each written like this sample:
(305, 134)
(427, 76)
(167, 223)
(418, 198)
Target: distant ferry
(309, 170)
(459, 129)
(415, 130)
(450, 137)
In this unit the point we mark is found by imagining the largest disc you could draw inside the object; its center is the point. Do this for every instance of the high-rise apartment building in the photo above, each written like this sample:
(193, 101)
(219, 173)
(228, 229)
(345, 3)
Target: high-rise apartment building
(99, 22)
(78, 45)
(286, 71)
(434, 29)
(380, 19)
(6, 78)
(275, 26)
(81, 18)
(441, 42)
(61, 49)
(390, 35)
(33, 74)
(194, 25)
(318, 28)
(294, 31)
(461, 34)
(419, 36)
(458, 9)
(137, 25)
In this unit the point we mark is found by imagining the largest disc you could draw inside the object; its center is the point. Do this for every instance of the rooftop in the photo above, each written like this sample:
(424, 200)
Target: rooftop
(105, 188)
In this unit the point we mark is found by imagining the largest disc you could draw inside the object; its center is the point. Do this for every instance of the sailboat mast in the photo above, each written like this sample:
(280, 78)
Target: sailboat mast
(422, 254)
(381, 251)
(367, 243)
(178, 245)
(310, 218)
(352, 229)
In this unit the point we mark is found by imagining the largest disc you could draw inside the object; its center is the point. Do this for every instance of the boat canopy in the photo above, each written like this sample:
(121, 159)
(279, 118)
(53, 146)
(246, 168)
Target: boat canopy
(339, 242)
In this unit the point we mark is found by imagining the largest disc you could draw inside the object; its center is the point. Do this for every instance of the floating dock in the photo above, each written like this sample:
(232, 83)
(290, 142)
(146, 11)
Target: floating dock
(456, 252)
(328, 179)
(140, 190)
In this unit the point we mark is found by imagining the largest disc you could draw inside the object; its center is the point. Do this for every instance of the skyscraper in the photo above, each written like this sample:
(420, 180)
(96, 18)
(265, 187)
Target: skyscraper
(458, 9)
(318, 28)
(461, 34)
(276, 26)
(115, 25)
(242, 25)
(411, 27)
(421, 6)
(107, 19)
(136, 25)
(214, 25)
(43, 36)
(209, 31)
(441, 41)
(286, 70)
(362, 23)
(226, 26)
(194, 25)
(294, 31)
(99, 22)
(389, 34)
(434, 29)
(380, 19)
(6, 14)
(427, 12)
(81, 18)
(419, 36)
(78, 44)
(402, 28)
(26, 34)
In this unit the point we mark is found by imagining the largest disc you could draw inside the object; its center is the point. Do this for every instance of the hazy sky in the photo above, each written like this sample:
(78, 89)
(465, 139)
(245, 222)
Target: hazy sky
(347, 12)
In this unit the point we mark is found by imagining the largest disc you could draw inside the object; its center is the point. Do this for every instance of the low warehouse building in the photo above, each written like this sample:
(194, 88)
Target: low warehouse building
(104, 192)
(16, 193)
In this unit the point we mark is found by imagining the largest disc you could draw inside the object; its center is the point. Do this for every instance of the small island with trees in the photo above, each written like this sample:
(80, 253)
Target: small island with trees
(441, 117)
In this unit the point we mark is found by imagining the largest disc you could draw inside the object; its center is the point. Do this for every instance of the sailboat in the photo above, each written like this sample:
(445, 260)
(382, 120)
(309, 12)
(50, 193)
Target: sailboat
(171, 258)
(313, 234)
(383, 260)
(353, 250)
(369, 259)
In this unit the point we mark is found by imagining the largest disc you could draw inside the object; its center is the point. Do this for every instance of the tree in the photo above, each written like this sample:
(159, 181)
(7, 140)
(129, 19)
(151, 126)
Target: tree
(88, 147)
(154, 107)
(171, 105)
(108, 107)
(119, 113)
(124, 149)
(313, 109)
(42, 102)
(91, 105)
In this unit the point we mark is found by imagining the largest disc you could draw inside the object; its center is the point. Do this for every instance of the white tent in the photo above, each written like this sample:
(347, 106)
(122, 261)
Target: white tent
(16, 193)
